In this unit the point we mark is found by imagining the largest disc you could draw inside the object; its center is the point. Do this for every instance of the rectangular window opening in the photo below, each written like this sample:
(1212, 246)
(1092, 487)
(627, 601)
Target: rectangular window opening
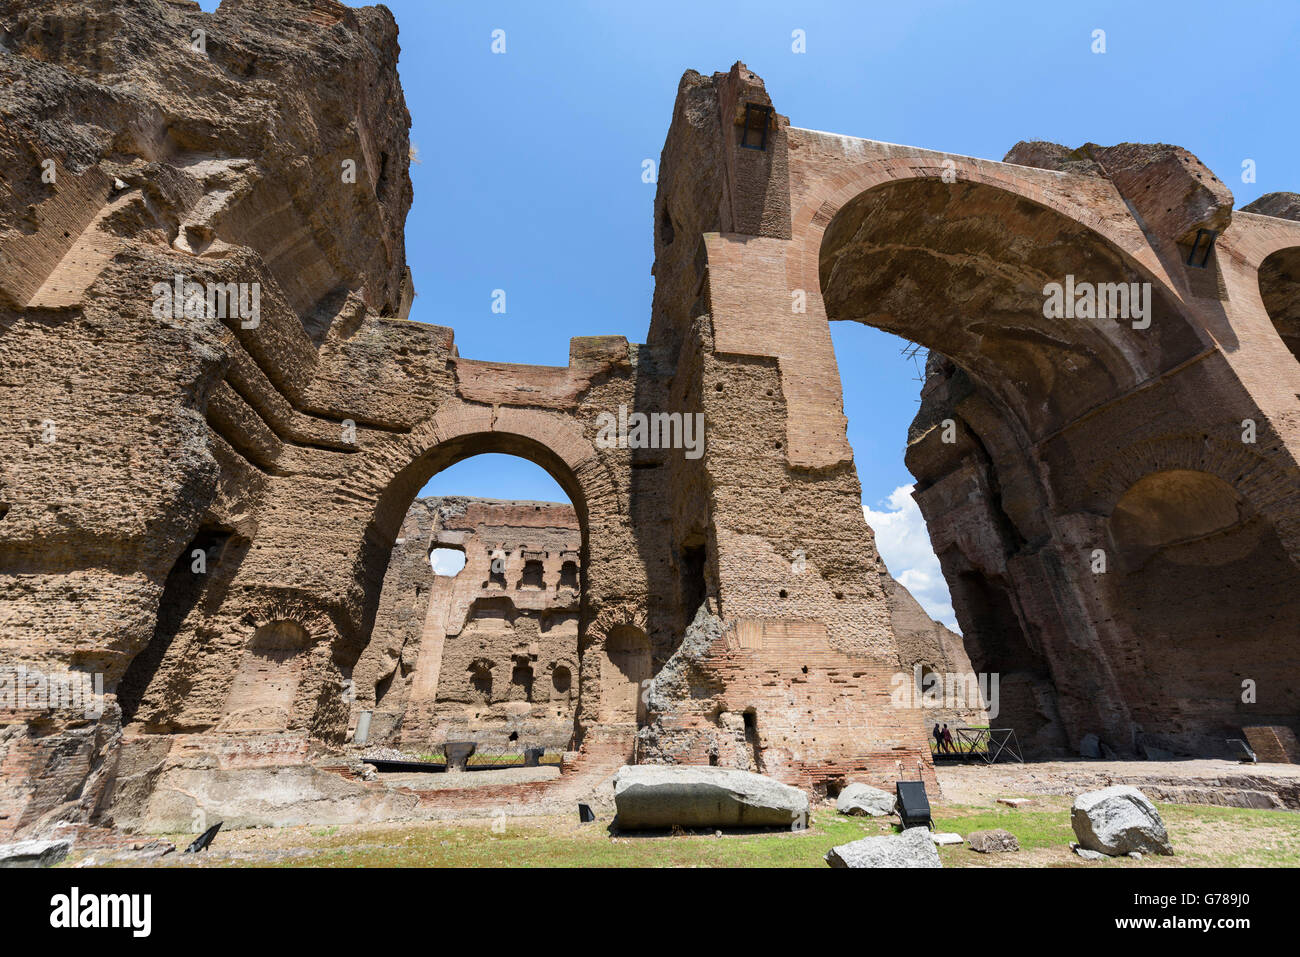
(1208, 235)
(757, 117)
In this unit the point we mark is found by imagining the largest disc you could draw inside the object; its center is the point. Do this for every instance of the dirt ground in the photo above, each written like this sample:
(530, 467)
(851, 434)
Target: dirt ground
(1214, 781)
(1203, 833)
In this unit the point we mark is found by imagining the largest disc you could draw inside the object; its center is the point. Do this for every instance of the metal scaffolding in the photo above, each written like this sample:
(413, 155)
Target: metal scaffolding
(988, 744)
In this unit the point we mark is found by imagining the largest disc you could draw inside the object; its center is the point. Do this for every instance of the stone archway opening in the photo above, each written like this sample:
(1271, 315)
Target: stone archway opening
(1279, 287)
(961, 269)
(1034, 322)
(487, 653)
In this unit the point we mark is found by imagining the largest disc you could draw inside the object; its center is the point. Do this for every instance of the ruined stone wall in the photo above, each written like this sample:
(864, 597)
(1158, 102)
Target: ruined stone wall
(489, 654)
(210, 480)
(1165, 446)
(143, 434)
(1042, 442)
(1188, 515)
(807, 595)
(199, 506)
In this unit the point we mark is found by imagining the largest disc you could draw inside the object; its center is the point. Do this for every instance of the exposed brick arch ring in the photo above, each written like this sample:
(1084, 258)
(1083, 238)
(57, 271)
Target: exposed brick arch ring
(826, 198)
(628, 614)
(1263, 485)
(305, 614)
(1253, 238)
(1268, 256)
(394, 473)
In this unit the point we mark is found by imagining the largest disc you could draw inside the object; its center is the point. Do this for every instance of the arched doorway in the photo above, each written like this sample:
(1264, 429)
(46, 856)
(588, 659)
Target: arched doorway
(1279, 287)
(1018, 404)
(480, 605)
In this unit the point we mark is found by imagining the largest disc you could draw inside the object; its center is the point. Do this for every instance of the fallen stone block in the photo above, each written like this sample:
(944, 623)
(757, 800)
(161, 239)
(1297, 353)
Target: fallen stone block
(913, 848)
(1117, 820)
(864, 799)
(658, 796)
(34, 853)
(1013, 802)
(946, 838)
(994, 841)
(1086, 854)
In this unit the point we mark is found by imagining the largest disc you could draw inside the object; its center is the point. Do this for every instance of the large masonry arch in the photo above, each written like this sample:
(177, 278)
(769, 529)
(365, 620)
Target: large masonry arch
(214, 540)
(549, 439)
(1025, 424)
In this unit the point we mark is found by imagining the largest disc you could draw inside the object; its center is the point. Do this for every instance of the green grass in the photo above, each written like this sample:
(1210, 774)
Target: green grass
(548, 842)
(1202, 836)
(1034, 826)
(1235, 837)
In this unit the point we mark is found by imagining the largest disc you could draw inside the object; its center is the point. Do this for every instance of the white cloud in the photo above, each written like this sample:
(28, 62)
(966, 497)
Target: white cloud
(904, 544)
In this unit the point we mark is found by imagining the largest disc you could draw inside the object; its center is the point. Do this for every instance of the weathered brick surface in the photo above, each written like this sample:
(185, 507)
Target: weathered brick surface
(1272, 744)
(485, 655)
(203, 510)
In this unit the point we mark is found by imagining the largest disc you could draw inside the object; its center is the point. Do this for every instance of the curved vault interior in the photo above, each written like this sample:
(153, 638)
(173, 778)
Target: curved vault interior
(961, 268)
(1279, 287)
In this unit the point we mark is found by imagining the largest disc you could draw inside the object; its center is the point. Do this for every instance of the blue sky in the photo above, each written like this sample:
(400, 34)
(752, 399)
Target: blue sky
(530, 172)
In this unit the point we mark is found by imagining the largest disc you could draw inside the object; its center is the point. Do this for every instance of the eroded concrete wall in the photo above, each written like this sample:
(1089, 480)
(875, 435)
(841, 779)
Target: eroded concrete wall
(1066, 469)
(200, 505)
(201, 508)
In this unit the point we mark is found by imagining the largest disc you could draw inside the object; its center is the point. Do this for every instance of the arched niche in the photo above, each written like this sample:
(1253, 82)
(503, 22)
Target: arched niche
(261, 698)
(624, 669)
(1279, 288)
(1173, 507)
